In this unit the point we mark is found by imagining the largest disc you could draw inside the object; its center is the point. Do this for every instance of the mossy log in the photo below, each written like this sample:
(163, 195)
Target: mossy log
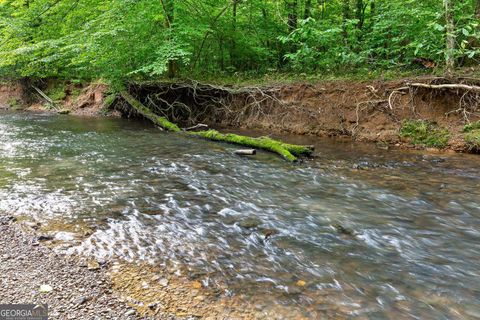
(162, 122)
(287, 151)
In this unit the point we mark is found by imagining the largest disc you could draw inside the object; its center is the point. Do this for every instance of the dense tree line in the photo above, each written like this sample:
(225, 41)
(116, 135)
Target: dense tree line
(119, 39)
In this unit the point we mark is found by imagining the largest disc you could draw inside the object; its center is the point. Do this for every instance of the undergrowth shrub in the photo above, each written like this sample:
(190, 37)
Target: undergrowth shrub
(425, 133)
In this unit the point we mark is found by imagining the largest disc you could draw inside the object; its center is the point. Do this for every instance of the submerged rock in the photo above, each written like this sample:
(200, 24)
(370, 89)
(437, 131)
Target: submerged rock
(130, 313)
(301, 283)
(269, 232)
(81, 300)
(163, 282)
(45, 237)
(32, 224)
(250, 223)
(343, 230)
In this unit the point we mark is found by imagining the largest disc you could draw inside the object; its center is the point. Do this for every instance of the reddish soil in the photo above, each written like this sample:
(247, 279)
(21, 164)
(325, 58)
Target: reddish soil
(88, 103)
(10, 94)
(365, 111)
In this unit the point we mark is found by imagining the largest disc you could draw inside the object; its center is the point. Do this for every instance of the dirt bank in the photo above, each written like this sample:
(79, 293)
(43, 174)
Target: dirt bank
(372, 111)
(67, 97)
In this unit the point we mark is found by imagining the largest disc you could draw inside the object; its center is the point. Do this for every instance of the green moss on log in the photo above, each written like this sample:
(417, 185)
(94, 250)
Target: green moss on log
(297, 150)
(287, 151)
(149, 114)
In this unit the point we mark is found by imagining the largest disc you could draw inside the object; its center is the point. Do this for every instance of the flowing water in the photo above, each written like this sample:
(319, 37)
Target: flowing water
(358, 231)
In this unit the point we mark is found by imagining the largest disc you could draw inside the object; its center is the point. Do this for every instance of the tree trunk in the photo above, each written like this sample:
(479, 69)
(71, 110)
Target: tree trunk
(233, 44)
(450, 36)
(289, 152)
(169, 9)
(345, 16)
(141, 109)
(308, 9)
(360, 13)
(292, 7)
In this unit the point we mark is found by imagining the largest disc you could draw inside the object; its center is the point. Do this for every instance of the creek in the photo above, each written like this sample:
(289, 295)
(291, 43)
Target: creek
(359, 230)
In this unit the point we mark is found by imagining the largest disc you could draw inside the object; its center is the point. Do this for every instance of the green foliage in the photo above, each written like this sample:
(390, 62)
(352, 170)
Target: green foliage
(75, 92)
(472, 138)
(14, 104)
(125, 40)
(56, 91)
(424, 133)
(472, 126)
(472, 135)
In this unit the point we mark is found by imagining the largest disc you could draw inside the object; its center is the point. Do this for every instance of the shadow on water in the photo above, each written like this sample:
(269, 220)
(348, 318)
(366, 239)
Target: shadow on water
(358, 230)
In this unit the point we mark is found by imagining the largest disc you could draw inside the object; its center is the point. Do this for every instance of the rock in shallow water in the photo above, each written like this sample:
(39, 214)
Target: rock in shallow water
(250, 223)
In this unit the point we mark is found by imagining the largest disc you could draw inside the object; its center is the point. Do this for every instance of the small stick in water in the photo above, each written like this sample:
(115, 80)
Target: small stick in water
(245, 152)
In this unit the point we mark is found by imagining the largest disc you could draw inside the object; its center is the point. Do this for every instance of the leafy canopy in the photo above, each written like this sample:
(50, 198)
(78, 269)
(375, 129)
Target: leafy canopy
(122, 40)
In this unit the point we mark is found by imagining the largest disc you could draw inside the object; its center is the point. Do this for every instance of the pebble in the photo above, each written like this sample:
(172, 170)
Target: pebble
(31, 224)
(45, 288)
(130, 313)
(93, 265)
(152, 305)
(250, 223)
(80, 300)
(163, 282)
(57, 280)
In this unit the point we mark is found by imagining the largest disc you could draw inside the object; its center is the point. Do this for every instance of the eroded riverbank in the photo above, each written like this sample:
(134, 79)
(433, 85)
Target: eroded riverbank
(370, 111)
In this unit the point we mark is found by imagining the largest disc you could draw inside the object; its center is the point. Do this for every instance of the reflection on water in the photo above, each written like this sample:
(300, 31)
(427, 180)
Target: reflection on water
(357, 231)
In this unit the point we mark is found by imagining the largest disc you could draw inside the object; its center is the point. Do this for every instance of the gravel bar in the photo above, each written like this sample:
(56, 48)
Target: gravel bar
(74, 291)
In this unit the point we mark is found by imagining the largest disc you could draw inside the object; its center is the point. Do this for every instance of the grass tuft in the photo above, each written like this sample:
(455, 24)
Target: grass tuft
(472, 126)
(472, 138)
(56, 91)
(425, 133)
(14, 104)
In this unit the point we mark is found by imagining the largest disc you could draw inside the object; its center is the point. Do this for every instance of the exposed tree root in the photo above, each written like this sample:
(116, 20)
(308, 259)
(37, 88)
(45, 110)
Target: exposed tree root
(191, 102)
(147, 113)
(289, 152)
(469, 94)
(454, 86)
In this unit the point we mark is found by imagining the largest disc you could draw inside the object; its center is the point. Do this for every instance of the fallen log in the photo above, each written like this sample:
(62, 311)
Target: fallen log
(287, 151)
(162, 122)
(44, 96)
